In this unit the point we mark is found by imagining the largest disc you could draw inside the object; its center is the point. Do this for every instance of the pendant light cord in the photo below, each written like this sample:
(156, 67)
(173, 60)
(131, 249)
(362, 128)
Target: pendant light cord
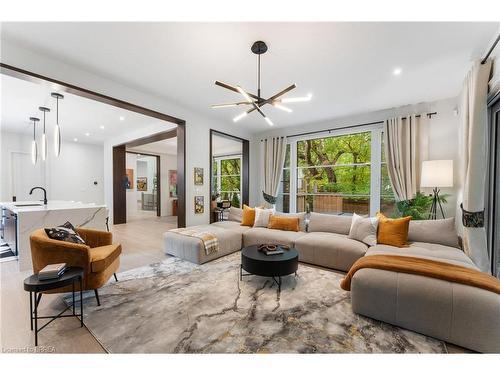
(258, 78)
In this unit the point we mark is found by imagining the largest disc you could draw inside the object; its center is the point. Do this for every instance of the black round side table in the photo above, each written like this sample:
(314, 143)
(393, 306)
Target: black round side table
(37, 287)
(255, 262)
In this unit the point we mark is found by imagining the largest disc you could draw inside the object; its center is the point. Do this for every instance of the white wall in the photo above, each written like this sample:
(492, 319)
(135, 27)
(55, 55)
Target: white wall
(71, 176)
(443, 139)
(197, 126)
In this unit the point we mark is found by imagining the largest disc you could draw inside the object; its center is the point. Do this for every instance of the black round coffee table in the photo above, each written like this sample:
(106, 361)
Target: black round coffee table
(36, 287)
(256, 262)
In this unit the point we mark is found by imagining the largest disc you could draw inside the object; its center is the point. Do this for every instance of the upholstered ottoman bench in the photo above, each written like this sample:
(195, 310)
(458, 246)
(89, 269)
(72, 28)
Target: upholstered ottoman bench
(193, 249)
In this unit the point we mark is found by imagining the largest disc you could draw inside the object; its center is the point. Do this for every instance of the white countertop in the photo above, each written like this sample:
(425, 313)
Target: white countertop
(19, 207)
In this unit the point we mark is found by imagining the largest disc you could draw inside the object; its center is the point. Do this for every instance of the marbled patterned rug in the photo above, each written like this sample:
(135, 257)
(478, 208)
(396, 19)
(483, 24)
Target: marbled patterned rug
(178, 307)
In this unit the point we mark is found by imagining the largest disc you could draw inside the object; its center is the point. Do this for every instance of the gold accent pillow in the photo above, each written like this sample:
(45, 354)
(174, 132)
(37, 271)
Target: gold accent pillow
(248, 217)
(393, 232)
(284, 223)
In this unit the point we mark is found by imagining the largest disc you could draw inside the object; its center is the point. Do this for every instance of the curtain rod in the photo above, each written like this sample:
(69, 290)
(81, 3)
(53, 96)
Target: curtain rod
(429, 114)
(490, 50)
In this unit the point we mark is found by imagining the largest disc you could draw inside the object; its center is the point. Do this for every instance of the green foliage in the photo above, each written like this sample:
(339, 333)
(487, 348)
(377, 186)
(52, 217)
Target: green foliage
(418, 207)
(335, 164)
(235, 202)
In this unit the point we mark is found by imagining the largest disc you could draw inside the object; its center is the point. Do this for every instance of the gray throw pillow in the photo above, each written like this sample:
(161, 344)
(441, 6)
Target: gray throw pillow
(441, 231)
(364, 229)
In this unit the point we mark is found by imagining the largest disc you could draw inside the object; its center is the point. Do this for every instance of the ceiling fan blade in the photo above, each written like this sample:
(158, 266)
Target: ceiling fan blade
(232, 88)
(227, 105)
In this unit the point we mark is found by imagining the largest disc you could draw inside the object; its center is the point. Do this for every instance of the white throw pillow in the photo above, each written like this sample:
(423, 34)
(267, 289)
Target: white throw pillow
(364, 229)
(262, 216)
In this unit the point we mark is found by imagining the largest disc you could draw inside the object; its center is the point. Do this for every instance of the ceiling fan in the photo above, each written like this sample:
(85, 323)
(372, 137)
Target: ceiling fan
(256, 102)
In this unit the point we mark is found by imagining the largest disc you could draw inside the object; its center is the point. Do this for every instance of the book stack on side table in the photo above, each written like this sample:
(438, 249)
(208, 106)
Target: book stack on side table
(52, 271)
(270, 249)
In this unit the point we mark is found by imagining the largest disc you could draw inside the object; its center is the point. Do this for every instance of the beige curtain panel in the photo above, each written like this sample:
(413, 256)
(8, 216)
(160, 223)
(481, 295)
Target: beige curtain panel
(274, 150)
(406, 145)
(474, 124)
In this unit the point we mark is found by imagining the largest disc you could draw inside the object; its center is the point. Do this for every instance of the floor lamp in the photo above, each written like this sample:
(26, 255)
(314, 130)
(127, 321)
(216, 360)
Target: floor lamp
(436, 174)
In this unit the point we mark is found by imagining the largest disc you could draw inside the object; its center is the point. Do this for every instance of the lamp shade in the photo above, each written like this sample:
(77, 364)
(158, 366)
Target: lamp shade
(437, 173)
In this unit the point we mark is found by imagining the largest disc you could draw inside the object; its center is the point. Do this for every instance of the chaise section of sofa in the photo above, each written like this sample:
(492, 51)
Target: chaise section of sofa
(460, 314)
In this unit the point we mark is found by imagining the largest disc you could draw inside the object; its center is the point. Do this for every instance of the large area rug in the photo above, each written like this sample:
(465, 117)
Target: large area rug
(178, 307)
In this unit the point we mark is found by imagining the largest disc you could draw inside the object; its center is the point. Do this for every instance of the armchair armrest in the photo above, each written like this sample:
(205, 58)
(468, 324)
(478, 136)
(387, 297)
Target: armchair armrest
(94, 237)
(46, 251)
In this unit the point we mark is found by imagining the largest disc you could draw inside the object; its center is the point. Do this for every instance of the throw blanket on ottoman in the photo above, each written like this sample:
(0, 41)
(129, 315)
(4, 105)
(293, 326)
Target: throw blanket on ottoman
(424, 267)
(210, 241)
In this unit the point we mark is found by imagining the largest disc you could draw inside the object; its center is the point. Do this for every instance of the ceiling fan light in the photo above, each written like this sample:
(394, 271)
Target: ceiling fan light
(268, 120)
(239, 117)
(282, 107)
(297, 99)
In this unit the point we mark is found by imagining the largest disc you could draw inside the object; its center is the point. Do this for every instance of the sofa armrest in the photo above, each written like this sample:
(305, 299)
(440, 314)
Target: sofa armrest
(46, 251)
(94, 237)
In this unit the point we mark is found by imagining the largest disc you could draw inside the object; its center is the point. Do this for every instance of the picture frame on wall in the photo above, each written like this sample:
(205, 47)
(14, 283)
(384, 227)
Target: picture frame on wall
(198, 176)
(142, 184)
(129, 179)
(172, 183)
(199, 204)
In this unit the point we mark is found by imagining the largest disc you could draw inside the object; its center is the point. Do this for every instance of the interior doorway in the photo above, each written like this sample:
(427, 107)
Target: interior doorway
(148, 177)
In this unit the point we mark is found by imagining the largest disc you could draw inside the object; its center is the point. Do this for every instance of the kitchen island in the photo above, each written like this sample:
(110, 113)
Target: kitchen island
(22, 218)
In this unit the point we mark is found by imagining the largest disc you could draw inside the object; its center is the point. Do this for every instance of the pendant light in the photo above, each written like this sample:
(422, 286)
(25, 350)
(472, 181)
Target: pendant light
(34, 149)
(57, 129)
(44, 136)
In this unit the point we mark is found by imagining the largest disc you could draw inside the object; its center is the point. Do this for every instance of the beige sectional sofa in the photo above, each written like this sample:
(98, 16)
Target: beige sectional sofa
(456, 313)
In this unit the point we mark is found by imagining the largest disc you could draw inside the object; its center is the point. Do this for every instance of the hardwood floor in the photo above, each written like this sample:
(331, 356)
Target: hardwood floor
(141, 244)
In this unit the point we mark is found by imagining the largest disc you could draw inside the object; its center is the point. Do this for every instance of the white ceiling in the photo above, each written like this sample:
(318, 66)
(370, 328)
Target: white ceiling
(78, 116)
(166, 146)
(346, 66)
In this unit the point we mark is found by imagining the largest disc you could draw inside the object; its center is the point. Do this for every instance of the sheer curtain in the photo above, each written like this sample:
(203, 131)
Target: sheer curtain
(406, 146)
(473, 152)
(274, 150)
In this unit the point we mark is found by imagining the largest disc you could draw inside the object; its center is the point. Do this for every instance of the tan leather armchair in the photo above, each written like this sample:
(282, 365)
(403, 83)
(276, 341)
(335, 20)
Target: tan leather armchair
(99, 257)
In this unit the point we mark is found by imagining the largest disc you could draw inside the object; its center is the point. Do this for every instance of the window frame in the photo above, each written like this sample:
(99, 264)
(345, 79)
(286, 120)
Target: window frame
(375, 161)
(218, 176)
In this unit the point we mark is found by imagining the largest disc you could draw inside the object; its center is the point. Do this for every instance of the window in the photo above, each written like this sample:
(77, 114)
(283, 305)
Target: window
(283, 201)
(227, 178)
(338, 174)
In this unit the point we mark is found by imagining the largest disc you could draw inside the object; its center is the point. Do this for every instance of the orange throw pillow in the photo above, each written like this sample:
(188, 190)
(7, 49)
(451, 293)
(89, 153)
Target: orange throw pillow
(248, 217)
(283, 223)
(393, 232)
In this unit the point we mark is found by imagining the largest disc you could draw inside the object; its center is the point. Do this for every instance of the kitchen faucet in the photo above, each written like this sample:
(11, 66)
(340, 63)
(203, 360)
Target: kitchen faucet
(44, 193)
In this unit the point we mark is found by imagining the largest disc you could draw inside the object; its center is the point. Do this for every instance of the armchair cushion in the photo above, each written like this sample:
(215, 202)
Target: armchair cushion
(101, 257)
(65, 232)
(94, 237)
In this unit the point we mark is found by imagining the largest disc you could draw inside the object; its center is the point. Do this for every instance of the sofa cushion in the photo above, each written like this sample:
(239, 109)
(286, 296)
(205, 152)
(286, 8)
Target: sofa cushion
(101, 257)
(235, 214)
(258, 236)
(340, 224)
(231, 225)
(288, 223)
(262, 217)
(329, 250)
(393, 232)
(426, 250)
(434, 231)
(248, 216)
(300, 215)
(364, 229)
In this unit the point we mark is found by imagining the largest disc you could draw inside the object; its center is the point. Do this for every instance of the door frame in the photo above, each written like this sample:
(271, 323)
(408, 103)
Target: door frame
(57, 85)
(245, 167)
(158, 177)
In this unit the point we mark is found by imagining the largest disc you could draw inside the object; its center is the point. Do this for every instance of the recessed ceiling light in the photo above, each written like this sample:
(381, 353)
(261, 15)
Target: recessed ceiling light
(122, 118)
(101, 127)
(87, 134)
(75, 139)
(397, 71)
